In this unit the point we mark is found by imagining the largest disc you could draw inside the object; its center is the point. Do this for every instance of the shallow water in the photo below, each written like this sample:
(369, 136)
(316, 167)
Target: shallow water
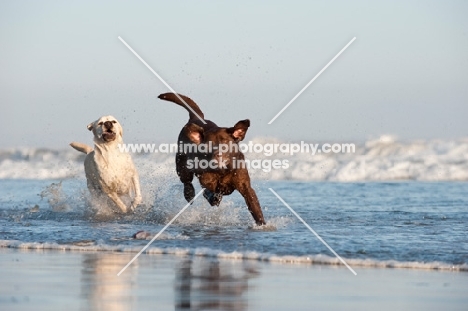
(57, 280)
(397, 224)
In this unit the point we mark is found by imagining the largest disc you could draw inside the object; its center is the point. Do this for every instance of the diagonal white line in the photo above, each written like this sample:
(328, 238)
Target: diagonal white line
(161, 79)
(312, 230)
(310, 82)
(159, 233)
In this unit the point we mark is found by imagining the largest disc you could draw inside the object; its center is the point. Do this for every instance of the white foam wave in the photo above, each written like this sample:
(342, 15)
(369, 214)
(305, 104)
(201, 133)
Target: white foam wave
(383, 159)
(207, 252)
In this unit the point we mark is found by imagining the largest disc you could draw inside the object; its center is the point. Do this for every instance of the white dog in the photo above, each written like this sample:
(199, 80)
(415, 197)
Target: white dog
(109, 172)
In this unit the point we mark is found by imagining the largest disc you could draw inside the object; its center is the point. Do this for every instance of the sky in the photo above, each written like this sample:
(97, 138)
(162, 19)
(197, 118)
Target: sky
(62, 66)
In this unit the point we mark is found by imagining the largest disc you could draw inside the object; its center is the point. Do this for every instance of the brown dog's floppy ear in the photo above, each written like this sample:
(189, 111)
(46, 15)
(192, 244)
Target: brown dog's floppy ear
(90, 126)
(194, 133)
(239, 130)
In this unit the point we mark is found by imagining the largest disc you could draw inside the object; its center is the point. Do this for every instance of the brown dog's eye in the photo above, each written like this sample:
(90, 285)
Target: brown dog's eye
(114, 121)
(100, 123)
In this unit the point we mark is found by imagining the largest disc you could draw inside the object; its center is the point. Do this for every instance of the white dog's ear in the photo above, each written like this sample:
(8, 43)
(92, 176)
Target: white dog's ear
(90, 126)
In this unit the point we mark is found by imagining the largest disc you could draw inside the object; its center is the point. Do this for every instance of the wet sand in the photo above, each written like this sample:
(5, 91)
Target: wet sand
(54, 280)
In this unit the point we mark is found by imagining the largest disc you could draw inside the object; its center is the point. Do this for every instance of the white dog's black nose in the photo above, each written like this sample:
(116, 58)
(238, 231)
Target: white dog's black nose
(108, 125)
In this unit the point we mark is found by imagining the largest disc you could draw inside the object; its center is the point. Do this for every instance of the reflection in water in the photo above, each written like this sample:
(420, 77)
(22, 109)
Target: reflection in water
(199, 283)
(101, 288)
(204, 284)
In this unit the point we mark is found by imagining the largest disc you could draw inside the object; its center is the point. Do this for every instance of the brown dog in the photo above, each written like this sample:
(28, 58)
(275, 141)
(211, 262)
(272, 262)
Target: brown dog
(226, 176)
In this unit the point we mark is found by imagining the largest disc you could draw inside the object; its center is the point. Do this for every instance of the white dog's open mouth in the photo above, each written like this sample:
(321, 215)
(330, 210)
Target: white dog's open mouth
(108, 136)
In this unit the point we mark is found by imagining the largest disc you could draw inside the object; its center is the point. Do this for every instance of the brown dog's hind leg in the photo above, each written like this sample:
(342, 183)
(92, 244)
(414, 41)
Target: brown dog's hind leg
(185, 176)
(189, 191)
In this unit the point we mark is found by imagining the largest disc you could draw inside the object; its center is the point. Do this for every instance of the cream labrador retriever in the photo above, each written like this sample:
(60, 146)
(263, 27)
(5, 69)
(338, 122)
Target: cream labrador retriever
(109, 172)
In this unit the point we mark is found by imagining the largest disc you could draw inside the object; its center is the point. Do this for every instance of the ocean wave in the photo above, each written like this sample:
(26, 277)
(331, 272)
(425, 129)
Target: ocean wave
(384, 159)
(91, 246)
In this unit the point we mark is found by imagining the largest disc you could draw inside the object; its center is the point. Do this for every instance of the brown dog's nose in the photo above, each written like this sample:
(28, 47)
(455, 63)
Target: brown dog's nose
(108, 125)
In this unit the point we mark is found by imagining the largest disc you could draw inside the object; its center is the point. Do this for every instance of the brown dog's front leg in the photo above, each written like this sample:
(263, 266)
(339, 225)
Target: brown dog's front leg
(252, 202)
(212, 198)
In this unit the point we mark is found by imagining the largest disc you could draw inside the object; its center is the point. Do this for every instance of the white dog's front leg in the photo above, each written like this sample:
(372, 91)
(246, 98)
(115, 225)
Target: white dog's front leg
(116, 199)
(136, 185)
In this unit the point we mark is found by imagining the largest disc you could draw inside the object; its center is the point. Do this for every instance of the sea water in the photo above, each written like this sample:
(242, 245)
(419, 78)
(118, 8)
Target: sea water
(389, 205)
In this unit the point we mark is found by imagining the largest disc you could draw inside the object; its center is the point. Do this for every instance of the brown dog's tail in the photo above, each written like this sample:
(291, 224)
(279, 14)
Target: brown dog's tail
(81, 147)
(181, 100)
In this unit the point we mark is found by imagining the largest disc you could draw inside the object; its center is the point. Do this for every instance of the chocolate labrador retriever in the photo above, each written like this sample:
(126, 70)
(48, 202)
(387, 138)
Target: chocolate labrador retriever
(214, 166)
